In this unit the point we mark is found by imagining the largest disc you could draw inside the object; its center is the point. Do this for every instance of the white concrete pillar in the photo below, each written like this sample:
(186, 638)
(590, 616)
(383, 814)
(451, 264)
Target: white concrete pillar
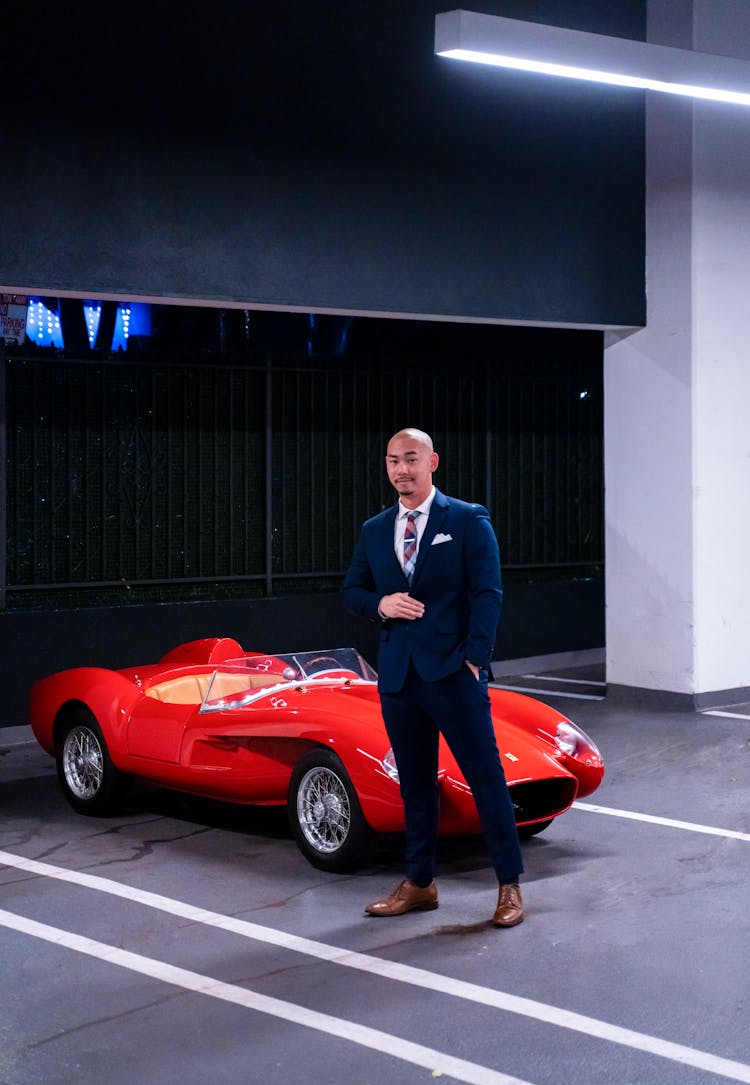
(677, 396)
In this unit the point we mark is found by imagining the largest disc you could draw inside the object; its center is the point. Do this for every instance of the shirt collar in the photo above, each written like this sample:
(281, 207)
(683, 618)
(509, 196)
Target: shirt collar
(424, 507)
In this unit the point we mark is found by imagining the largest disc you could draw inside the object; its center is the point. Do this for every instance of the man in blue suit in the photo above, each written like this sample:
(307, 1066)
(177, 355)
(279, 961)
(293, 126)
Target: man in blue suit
(428, 570)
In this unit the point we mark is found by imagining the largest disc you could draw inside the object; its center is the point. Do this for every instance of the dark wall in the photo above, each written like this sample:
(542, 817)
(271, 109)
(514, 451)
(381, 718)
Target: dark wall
(537, 619)
(317, 155)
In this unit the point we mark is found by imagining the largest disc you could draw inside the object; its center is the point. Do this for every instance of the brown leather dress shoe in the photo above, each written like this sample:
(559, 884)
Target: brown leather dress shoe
(406, 897)
(509, 911)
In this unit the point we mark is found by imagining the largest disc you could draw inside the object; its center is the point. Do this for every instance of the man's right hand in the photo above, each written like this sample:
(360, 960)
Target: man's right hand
(400, 605)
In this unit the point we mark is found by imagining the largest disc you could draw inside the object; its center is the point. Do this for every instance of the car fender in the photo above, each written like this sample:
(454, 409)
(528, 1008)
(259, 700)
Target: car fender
(107, 694)
(345, 720)
(535, 724)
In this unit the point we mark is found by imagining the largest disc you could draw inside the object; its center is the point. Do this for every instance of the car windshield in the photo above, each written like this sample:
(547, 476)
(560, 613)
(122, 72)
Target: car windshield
(297, 665)
(242, 681)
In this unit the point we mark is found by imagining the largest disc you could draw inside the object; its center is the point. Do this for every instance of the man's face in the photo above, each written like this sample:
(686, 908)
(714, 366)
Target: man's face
(410, 464)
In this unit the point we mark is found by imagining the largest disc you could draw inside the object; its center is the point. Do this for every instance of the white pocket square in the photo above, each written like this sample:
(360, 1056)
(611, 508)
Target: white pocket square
(441, 538)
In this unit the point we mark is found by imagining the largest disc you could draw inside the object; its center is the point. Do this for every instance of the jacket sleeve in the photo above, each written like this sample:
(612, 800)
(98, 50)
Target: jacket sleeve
(484, 587)
(359, 592)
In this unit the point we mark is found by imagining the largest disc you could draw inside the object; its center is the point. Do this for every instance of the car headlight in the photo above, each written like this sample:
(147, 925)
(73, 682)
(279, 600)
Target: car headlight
(389, 764)
(572, 741)
(566, 738)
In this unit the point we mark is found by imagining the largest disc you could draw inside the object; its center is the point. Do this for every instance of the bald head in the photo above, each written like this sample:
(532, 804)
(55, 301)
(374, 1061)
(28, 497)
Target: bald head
(416, 435)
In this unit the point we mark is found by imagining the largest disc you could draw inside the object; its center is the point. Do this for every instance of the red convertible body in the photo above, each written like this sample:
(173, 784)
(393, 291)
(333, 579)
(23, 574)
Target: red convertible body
(303, 729)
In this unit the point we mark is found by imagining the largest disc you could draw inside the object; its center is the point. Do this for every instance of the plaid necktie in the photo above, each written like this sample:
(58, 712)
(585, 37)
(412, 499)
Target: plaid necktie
(410, 545)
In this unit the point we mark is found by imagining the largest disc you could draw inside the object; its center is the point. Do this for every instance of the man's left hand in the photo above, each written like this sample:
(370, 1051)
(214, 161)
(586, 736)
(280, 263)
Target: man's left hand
(473, 668)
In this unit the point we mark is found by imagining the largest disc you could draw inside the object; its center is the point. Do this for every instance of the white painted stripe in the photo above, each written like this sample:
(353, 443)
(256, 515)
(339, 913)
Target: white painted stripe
(729, 715)
(571, 681)
(417, 977)
(691, 826)
(547, 692)
(436, 1061)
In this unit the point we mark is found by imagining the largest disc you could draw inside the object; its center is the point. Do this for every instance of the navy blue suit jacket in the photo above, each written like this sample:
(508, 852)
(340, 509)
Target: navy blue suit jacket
(457, 577)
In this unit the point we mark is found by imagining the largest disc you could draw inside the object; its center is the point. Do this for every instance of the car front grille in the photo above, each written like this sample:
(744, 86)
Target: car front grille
(542, 798)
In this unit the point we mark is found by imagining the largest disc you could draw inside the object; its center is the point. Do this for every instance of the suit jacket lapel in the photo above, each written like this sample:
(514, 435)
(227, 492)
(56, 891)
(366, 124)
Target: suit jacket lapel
(387, 534)
(438, 513)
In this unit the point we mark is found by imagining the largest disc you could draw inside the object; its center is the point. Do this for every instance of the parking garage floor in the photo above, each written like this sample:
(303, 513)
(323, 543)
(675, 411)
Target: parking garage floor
(186, 942)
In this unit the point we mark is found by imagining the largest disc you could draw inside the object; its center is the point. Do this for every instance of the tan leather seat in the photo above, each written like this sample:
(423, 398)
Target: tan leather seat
(225, 685)
(183, 690)
(191, 688)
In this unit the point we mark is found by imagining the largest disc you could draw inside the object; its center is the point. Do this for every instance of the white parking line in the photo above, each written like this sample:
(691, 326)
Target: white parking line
(547, 692)
(570, 681)
(416, 977)
(653, 819)
(722, 712)
(436, 1061)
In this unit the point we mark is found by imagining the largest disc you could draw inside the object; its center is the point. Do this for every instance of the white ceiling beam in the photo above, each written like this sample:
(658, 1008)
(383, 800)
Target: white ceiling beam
(576, 54)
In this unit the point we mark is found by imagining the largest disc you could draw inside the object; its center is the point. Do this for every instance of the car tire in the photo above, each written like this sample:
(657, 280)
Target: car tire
(527, 831)
(90, 782)
(325, 815)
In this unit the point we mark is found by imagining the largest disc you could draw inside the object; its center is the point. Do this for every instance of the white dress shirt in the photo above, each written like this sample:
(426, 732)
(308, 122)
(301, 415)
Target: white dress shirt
(420, 524)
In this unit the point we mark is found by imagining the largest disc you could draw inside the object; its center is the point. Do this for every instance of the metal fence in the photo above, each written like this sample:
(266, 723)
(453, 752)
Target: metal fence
(128, 482)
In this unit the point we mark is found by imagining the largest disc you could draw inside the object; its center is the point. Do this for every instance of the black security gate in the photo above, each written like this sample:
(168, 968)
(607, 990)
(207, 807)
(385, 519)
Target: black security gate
(129, 482)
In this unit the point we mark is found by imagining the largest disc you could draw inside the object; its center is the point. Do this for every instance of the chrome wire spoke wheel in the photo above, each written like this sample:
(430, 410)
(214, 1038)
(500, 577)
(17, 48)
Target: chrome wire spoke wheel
(325, 814)
(83, 762)
(323, 810)
(89, 780)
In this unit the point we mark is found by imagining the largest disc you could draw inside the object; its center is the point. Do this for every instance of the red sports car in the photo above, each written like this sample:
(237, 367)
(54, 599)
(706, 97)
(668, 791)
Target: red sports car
(303, 729)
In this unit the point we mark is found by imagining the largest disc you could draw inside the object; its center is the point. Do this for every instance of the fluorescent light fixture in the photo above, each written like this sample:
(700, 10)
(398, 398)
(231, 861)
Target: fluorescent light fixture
(575, 54)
